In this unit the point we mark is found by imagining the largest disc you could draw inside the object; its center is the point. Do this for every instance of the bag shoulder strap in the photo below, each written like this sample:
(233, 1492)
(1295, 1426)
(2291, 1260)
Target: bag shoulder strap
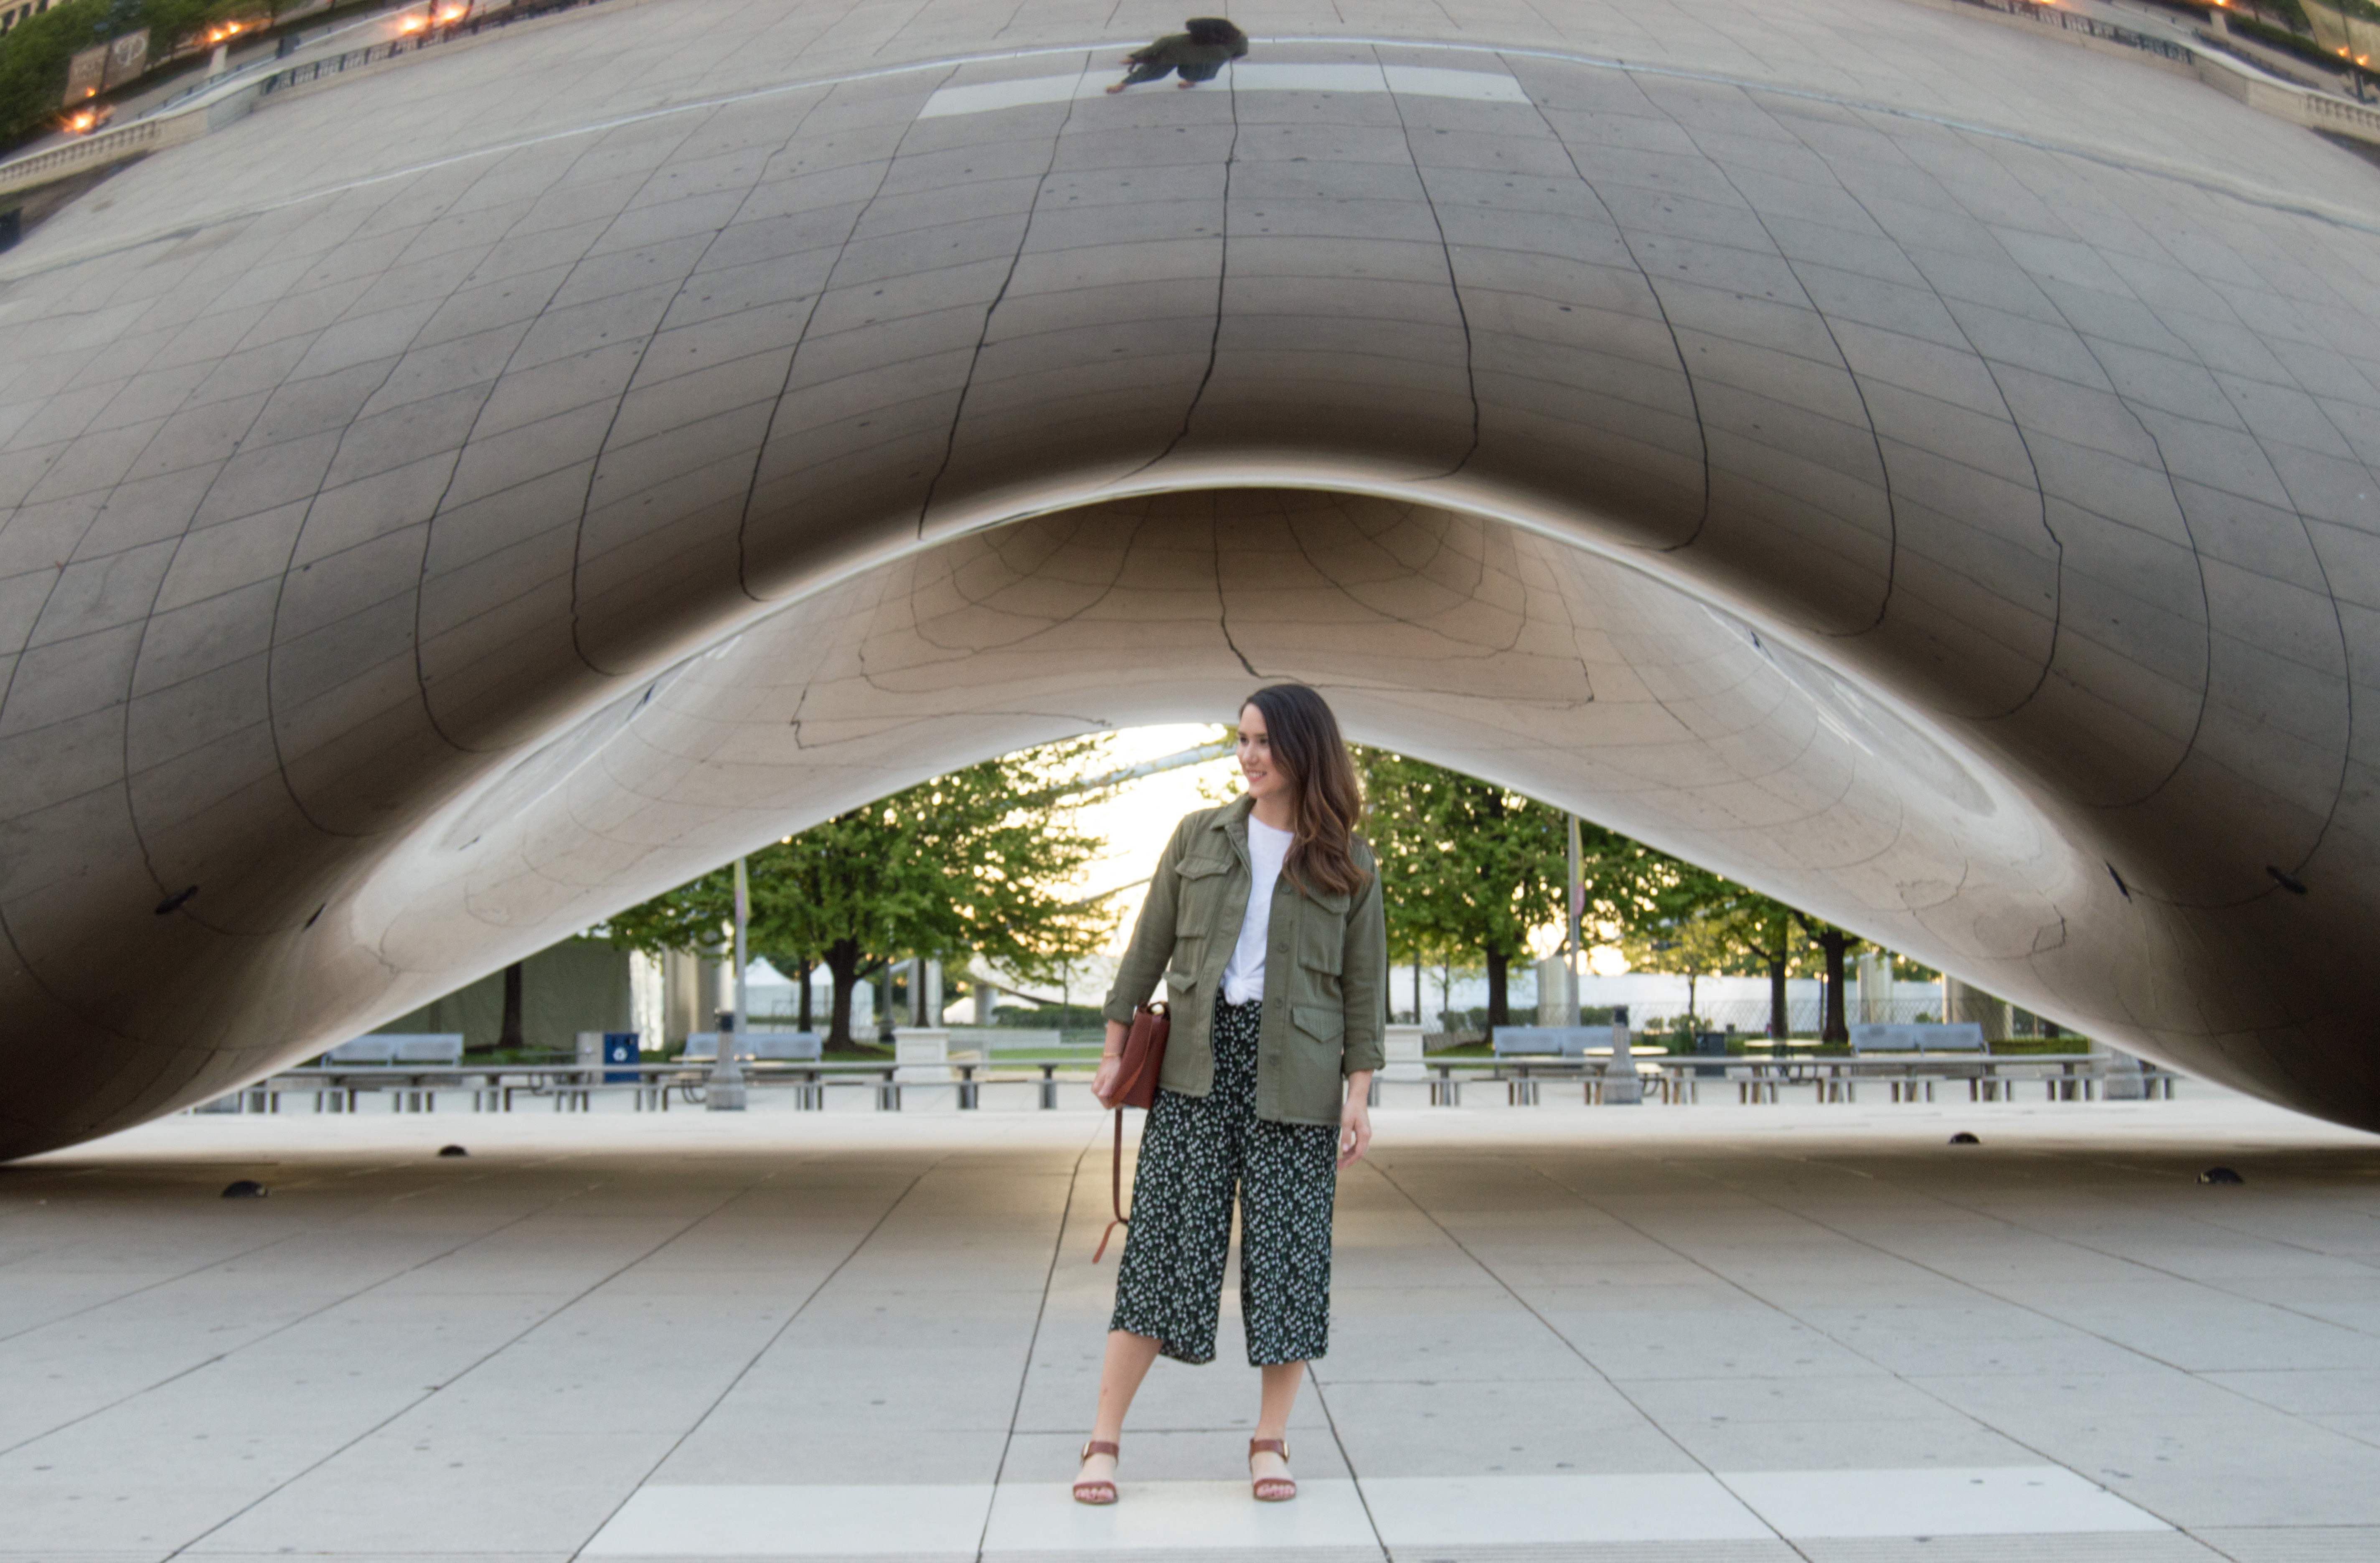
(1116, 1189)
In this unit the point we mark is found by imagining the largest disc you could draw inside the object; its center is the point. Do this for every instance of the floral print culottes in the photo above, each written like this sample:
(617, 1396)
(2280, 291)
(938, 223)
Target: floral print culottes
(1195, 1152)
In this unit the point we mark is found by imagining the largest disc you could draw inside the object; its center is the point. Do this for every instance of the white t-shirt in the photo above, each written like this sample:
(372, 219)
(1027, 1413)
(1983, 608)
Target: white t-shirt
(1243, 978)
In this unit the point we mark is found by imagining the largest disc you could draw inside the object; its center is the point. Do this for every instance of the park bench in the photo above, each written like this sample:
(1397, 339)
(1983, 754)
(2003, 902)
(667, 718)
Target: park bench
(797, 1047)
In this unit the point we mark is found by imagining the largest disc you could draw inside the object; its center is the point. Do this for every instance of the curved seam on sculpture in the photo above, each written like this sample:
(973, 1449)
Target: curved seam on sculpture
(124, 784)
(918, 626)
(33, 973)
(2346, 651)
(628, 385)
(1453, 280)
(1450, 649)
(1222, 280)
(1652, 291)
(446, 489)
(2058, 571)
(281, 593)
(793, 358)
(2198, 566)
(991, 311)
(2208, 181)
(1222, 592)
(132, 674)
(1876, 439)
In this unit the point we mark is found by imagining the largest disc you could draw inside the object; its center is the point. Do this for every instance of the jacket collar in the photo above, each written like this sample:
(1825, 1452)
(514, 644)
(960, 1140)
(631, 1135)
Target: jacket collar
(1232, 821)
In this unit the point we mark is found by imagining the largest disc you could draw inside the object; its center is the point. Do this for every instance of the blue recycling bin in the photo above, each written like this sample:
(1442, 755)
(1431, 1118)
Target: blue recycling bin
(620, 1048)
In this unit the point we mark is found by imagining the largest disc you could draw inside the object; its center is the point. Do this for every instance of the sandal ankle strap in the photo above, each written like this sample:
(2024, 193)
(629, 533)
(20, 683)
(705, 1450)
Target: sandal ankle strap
(1269, 1445)
(1097, 1447)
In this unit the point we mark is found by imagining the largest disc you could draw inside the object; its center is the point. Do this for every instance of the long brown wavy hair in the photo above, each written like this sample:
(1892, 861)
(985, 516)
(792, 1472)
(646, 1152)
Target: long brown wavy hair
(1327, 803)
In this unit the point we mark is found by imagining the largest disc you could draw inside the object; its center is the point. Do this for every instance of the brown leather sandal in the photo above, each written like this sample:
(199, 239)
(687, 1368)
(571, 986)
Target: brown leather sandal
(1271, 1489)
(1096, 1493)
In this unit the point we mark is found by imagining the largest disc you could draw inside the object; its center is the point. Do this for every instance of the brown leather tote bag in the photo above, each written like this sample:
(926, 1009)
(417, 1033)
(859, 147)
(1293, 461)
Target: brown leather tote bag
(1144, 1059)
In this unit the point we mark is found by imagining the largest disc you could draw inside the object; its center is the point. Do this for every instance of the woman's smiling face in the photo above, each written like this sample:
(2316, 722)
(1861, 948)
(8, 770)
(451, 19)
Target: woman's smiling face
(1265, 779)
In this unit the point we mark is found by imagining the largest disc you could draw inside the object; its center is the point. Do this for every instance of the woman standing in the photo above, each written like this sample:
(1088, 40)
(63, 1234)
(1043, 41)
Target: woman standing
(1264, 917)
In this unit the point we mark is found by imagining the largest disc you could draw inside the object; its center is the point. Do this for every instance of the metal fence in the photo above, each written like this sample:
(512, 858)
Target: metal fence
(374, 54)
(2052, 15)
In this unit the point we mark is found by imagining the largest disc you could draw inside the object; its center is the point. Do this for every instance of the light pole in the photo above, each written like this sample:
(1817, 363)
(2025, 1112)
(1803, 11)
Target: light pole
(1578, 906)
(1622, 1085)
(725, 1093)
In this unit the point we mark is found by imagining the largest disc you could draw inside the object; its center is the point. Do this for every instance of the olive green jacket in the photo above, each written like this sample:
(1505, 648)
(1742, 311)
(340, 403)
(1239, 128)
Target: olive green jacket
(1324, 1005)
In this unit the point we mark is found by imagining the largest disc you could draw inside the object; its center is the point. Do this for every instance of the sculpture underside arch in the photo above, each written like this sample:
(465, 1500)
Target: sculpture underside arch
(424, 550)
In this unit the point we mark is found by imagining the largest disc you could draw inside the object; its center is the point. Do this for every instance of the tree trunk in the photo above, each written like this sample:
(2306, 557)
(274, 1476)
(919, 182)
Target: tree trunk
(1499, 974)
(843, 965)
(1777, 1028)
(509, 1033)
(1835, 942)
(804, 1021)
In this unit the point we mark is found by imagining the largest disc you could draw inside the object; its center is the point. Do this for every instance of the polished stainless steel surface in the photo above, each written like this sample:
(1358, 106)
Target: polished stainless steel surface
(1922, 468)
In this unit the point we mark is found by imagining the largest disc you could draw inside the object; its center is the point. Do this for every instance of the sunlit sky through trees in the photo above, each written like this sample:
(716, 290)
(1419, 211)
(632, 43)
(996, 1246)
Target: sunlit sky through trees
(1135, 821)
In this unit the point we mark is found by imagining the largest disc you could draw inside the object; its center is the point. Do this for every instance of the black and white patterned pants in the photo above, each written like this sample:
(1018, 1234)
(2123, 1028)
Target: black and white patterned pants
(1194, 1152)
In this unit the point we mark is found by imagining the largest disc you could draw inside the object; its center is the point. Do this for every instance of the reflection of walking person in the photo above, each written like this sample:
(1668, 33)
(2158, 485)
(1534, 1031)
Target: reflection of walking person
(1264, 916)
(1210, 44)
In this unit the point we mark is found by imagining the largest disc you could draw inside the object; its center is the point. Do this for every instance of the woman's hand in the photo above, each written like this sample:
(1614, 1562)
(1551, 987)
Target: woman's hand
(1355, 1120)
(1104, 1085)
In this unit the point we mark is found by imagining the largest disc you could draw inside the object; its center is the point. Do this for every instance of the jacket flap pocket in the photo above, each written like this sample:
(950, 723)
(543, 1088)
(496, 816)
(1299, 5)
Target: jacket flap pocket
(1199, 868)
(1319, 1020)
(1333, 901)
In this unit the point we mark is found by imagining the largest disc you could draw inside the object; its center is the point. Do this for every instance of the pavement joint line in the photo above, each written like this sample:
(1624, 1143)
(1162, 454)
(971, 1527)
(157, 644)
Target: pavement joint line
(1395, 1514)
(792, 1313)
(486, 1357)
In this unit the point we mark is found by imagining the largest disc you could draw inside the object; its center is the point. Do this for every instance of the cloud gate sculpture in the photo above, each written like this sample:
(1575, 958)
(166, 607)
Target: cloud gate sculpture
(1922, 468)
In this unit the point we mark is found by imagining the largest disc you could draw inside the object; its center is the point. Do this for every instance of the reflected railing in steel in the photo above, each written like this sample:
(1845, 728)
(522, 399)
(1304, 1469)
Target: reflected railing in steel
(2053, 16)
(571, 1087)
(1678, 1079)
(374, 54)
(1674, 1080)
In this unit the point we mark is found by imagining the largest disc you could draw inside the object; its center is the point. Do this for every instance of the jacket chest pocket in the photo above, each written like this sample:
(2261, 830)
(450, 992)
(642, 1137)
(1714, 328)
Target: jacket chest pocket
(1198, 885)
(1322, 940)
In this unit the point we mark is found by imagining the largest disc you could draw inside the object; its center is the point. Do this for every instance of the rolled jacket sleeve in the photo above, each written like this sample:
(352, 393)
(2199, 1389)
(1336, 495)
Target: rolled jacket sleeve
(1152, 940)
(1364, 987)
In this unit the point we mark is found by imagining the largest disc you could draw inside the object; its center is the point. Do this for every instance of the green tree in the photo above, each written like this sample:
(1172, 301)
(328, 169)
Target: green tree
(1696, 922)
(34, 52)
(33, 58)
(977, 861)
(1466, 865)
